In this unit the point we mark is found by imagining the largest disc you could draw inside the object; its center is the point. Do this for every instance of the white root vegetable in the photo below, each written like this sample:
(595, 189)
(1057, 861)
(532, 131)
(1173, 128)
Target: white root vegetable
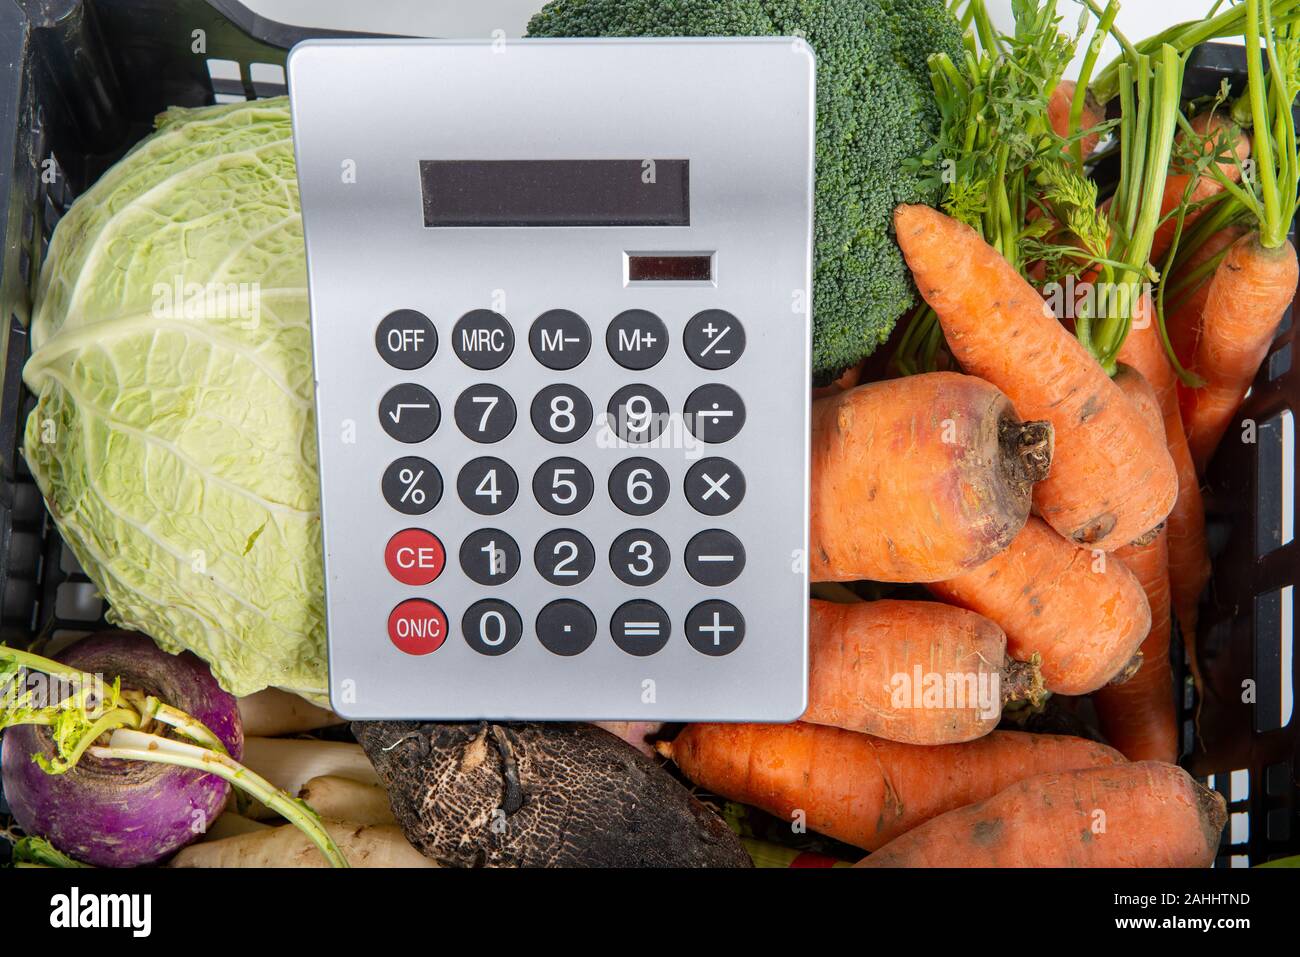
(364, 845)
(635, 733)
(340, 799)
(289, 763)
(271, 712)
(231, 824)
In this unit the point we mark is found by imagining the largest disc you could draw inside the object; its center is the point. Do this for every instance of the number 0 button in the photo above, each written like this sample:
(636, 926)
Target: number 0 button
(483, 339)
(417, 626)
(566, 627)
(491, 627)
(409, 413)
(639, 557)
(715, 628)
(487, 486)
(561, 413)
(715, 413)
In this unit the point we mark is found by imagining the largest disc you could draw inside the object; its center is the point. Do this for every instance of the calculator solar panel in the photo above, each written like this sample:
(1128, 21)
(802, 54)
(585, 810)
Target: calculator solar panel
(560, 297)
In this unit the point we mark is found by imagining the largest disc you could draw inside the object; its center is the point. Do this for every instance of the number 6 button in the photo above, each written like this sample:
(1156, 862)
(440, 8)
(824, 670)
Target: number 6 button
(639, 557)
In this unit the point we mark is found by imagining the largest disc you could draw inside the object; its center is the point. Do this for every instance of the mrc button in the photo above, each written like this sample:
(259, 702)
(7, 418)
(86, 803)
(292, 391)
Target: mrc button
(483, 339)
(414, 556)
(636, 339)
(417, 626)
(406, 339)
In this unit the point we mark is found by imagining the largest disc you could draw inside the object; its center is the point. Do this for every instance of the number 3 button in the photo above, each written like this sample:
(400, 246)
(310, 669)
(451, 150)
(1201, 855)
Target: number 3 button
(639, 557)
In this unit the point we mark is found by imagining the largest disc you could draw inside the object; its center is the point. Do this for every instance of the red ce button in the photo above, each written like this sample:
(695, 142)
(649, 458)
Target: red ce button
(414, 556)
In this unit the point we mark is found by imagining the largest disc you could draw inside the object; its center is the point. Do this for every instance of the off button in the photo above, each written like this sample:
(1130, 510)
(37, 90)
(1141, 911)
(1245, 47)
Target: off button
(406, 339)
(417, 626)
(414, 556)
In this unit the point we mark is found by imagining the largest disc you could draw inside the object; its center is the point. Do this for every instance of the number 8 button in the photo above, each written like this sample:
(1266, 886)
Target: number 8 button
(561, 413)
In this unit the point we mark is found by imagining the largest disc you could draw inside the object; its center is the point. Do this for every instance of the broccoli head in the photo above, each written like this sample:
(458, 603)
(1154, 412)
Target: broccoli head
(875, 113)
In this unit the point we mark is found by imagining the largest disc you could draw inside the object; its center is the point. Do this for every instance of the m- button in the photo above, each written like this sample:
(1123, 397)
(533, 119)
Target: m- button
(483, 339)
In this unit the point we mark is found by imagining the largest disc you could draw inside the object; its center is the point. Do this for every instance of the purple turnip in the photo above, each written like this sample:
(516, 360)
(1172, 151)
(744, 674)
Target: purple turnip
(139, 773)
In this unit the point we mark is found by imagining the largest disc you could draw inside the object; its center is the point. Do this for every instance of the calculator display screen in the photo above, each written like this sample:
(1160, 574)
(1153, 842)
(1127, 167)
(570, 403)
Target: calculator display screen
(633, 192)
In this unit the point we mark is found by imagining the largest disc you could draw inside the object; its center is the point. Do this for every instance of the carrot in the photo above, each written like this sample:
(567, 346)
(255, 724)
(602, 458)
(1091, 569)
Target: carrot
(1189, 558)
(1218, 132)
(1147, 814)
(919, 478)
(1082, 614)
(1058, 115)
(846, 380)
(1112, 480)
(912, 671)
(1138, 717)
(1251, 289)
(1256, 280)
(862, 790)
(1184, 322)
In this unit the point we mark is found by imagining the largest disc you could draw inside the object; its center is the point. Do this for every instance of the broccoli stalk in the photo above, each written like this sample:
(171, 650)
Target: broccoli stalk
(876, 116)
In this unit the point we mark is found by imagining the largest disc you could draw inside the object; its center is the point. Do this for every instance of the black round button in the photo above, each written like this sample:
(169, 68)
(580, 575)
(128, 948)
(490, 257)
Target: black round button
(640, 628)
(715, 413)
(412, 485)
(639, 557)
(487, 486)
(491, 627)
(485, 413)
(715, 628)
(566, 627)
(406, 339)
(714, 486)
(489, 556)
(715, 557)
(638, 486)
(637, 414)
(636, 339)
(564, 557)
(561, 413)
(563, 486)
(714, 339)
(560, 339)
(409, 412)
(483, 339)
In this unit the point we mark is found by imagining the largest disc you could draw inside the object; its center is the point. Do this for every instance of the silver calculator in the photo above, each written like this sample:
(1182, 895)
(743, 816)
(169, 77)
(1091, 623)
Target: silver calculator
(560, 302)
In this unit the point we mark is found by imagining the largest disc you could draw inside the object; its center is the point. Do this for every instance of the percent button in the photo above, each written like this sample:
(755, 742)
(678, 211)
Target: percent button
(412, 485)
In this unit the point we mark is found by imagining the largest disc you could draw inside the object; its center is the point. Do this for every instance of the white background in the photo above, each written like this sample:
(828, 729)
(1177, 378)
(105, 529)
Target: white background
(479, 18)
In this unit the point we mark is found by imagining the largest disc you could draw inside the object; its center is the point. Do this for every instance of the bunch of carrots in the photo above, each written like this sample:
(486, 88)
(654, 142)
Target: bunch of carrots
(1034, 462)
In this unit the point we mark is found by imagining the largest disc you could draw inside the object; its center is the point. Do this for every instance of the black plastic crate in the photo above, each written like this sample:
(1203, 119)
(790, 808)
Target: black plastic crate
(80, 82)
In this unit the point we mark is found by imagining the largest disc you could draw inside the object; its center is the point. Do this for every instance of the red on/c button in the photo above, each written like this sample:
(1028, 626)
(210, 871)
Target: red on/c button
(414, 556)
(417, 626)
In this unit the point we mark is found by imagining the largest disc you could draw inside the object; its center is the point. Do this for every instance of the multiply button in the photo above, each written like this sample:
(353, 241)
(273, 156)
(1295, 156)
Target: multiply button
(406, 339)
(559, 339)
(714, 339)
(715, 628)
(417, 626)
(714, 486)
(414, 556)
(636, 339)
(483, 339)
(409, 413)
